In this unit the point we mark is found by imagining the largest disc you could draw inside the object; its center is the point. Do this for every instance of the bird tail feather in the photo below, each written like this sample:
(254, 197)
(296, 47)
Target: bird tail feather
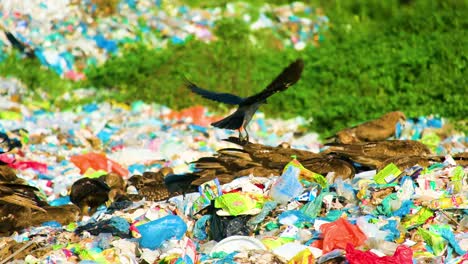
(233, 121)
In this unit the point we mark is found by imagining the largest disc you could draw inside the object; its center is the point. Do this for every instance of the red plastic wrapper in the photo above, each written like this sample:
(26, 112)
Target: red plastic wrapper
(339, 234)
(197, 113)
(97, 162)
(403, 255)
(23, 165)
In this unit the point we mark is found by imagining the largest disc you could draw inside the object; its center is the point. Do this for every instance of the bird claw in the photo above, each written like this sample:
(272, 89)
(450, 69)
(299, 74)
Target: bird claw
(243, 140)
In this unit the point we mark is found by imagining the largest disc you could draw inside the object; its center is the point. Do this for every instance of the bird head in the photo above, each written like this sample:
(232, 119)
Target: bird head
(401, 117)
(166, 171)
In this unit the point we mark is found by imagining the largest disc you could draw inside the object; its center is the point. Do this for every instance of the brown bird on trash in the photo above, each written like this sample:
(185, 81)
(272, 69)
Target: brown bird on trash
(239, 120)
(405, 162)
(374, 153)
(64, 214)
(272, 157)
(17, 202)
(265, 161)
(159, 186)
(277, 157)
(374, 130)
(88, 194)
(230, 163)
(341, 166)
(8, 175)
(461, 158)
(227, 165)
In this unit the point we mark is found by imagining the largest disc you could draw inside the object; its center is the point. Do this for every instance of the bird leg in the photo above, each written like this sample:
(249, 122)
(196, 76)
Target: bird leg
(241, 137)
(246, 135)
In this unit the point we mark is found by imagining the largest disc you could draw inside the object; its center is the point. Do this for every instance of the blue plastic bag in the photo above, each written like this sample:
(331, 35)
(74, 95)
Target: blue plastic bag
(154, 233)
(287, 186)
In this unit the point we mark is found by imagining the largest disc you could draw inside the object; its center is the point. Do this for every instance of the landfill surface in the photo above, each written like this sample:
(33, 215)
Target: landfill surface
(419, 216)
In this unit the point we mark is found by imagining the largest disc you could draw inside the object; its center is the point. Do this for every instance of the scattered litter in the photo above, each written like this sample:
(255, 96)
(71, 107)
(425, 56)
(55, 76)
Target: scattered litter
(379, 216)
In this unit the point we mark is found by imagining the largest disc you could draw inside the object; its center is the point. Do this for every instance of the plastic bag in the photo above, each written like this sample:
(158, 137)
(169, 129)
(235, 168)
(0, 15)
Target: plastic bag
(239, 203)
(447, 234)
(370, 229)
(154, 233)
(287, 186)
(340, 233)
(267, 208)
(303, 257)
(22, 165)
(294, 217)
(97, 162)
(222, 227)
(403, 255)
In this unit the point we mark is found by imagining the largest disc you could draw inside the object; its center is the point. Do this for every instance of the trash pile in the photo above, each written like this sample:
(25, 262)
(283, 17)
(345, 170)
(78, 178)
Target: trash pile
(119, 173)
(70, 36)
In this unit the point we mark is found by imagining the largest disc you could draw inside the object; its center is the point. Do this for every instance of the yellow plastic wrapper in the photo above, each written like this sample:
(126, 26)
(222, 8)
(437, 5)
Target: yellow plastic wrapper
(275, 242)
(417, 219)
(435, 241)
(431, 140)
(307, 174)
(303, 257)
(238, 203)
(387, 174)
(10, 115)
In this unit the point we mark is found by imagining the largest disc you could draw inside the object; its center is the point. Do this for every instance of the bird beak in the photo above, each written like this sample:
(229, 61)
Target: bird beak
(402, 122)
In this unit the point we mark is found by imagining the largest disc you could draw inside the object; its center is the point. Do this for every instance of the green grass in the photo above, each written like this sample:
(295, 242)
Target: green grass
(377, 56)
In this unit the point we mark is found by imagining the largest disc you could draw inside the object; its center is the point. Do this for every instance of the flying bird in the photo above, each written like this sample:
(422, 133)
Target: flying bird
(374, 130)
(247, 106)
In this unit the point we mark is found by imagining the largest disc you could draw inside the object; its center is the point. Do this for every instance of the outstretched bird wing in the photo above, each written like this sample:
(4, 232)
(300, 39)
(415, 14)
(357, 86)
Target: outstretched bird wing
(218, 97)
(289, 76)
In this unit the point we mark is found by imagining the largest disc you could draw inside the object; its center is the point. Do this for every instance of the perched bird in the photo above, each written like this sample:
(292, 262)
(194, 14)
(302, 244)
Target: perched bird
(340, 165)
(461, 158)
(272, 157)
(88, 194)
(21, 195)
(247, 106)
(16, 207)
(374, 153)
(161, 185)
(64, 214)
(266, 161)
(8, 175)
(405, 162)
(374, 130)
